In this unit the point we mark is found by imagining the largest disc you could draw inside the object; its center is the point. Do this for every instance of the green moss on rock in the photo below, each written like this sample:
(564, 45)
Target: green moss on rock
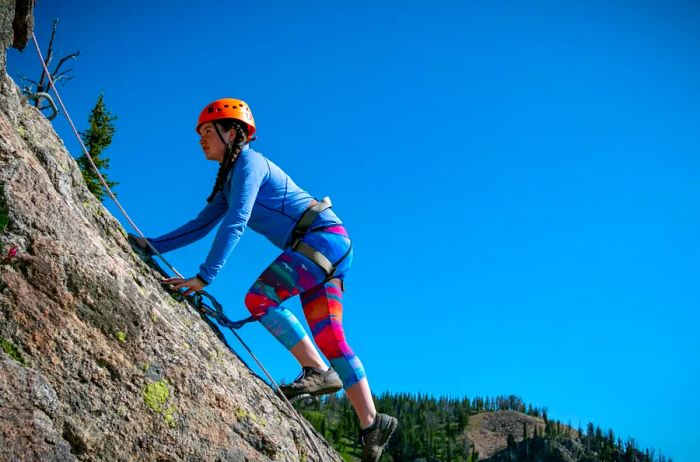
(169, 416)
(156, 394)
(11, 350)
(3, 216)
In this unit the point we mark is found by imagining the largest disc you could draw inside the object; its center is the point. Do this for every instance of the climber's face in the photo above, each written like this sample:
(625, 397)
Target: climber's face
(211, 143)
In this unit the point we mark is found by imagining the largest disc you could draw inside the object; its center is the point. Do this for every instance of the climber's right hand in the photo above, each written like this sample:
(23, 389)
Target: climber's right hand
(141, 243)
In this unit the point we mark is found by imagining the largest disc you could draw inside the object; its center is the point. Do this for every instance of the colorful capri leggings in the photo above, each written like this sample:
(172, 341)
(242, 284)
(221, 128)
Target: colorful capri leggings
(293, 274)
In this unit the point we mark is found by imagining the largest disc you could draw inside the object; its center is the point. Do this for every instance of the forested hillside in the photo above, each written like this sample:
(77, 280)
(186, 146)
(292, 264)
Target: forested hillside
(502, 428)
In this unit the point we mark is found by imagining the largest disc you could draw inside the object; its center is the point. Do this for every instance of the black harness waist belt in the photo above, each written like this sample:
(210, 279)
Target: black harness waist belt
(302, 227)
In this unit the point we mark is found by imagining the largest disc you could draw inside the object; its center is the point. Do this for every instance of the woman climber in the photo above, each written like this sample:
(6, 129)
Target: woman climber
(252, 191)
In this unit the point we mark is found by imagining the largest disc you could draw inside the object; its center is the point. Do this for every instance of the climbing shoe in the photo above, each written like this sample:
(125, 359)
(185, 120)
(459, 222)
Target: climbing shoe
(376, 436)
(313, 382)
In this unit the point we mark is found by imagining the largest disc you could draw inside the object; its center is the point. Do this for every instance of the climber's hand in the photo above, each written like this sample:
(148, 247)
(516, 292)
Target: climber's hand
(141, 243)
(192, 284)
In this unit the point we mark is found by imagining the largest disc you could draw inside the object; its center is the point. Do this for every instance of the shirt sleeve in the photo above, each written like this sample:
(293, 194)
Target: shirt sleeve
(194, 229)
(249, 172)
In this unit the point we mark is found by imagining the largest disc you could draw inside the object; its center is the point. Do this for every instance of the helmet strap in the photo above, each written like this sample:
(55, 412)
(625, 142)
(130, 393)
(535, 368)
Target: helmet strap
(229, 146)
(221, 137)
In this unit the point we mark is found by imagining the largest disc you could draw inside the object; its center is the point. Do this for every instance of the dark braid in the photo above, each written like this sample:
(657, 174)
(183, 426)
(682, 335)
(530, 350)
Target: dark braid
(231, 154)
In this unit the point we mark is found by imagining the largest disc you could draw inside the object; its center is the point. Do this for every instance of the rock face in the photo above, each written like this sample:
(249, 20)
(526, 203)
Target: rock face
(499, 437)
(488, 431)
(97, 361)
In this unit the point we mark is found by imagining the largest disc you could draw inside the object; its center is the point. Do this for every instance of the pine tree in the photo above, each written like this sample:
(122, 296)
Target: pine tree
(96, 139)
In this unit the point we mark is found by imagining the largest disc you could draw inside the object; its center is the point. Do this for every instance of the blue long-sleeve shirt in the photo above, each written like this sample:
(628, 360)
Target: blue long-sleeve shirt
(257, 193)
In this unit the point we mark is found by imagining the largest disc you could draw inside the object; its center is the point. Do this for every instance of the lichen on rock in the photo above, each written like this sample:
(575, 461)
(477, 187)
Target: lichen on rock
(11, 350)
(156, 394)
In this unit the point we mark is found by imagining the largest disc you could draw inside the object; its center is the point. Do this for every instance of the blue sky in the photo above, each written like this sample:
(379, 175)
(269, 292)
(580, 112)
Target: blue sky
(521, 181)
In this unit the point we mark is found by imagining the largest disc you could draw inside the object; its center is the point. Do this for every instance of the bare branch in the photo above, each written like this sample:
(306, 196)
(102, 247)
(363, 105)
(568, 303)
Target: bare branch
(49, 54)
(63, 77)
(38, 96)
(62, 74)
(43, 86)
(27, 79)
(64, 59)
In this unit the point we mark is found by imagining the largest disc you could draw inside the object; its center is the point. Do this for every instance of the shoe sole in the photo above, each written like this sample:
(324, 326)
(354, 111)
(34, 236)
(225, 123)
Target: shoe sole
(327, 390)
(319, 392)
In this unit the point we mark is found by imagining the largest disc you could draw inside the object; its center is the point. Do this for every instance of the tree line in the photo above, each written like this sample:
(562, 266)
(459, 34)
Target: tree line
(434, 429)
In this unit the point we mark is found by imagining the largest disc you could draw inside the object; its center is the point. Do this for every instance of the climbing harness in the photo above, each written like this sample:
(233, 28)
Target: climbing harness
(302, 227)
(197, 300)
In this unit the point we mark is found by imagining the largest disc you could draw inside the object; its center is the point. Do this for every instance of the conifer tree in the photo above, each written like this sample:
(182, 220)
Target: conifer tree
(96, 139)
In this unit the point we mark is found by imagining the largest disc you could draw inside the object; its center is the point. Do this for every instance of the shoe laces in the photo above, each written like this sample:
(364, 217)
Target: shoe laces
(305, 371)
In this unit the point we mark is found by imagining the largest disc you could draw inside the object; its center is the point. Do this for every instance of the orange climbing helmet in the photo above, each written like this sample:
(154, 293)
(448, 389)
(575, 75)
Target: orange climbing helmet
(227, 108)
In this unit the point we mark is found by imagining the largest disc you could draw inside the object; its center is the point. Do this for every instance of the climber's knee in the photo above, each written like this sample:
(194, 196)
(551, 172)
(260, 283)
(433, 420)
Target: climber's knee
(258, 304)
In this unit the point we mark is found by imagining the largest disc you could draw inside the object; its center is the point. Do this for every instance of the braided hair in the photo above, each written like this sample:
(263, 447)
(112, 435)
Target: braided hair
(232, 152)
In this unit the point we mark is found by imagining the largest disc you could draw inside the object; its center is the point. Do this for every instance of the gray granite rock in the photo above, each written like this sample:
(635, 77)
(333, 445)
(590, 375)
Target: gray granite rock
(98, 361)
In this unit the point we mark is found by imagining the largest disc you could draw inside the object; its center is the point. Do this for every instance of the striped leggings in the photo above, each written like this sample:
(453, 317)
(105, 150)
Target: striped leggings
(293, 274)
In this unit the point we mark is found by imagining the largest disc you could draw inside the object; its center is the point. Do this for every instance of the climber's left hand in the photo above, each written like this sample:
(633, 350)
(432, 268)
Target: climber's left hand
(192, 284)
